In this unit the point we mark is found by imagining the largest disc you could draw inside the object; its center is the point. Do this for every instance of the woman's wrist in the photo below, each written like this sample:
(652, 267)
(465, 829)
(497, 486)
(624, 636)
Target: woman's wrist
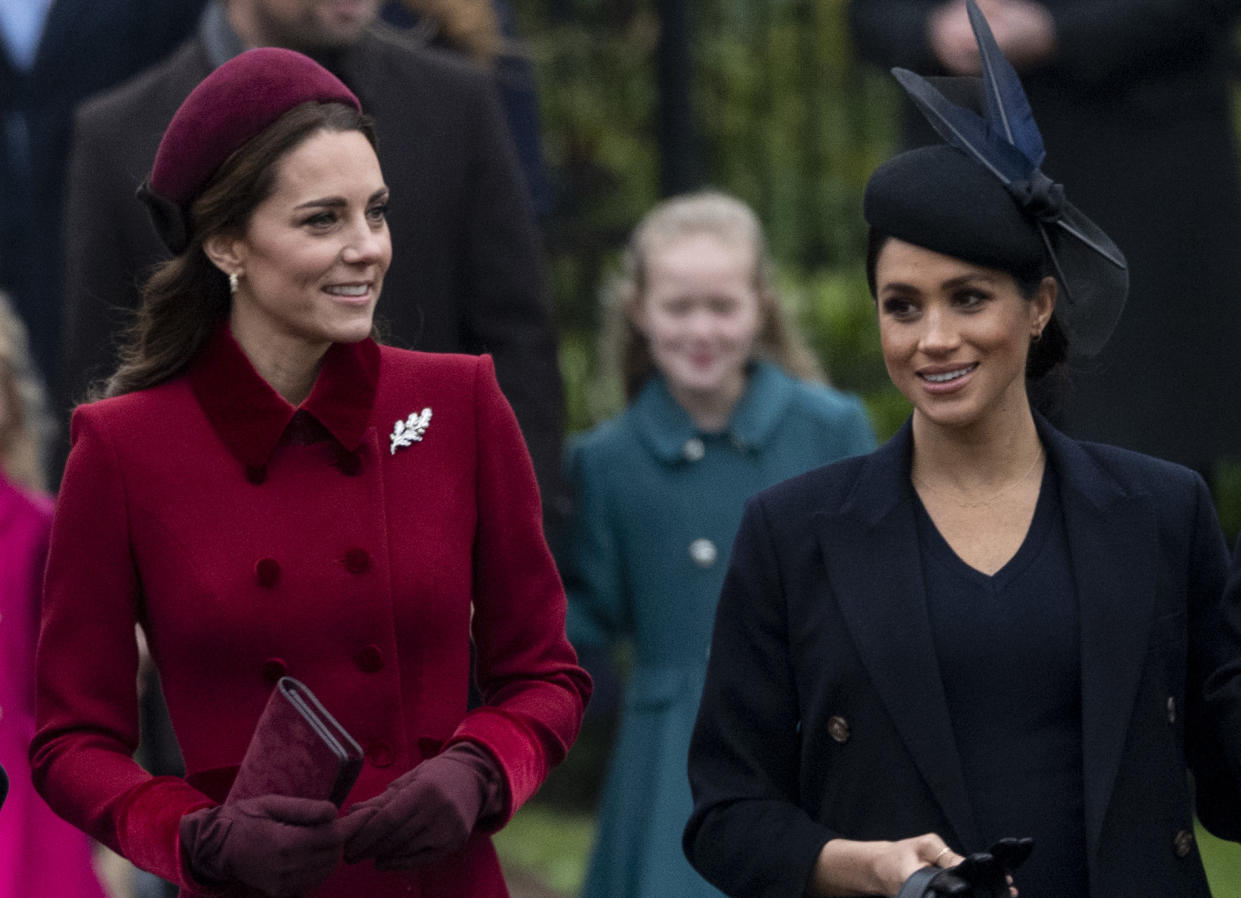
(851, 867)
(847, 867)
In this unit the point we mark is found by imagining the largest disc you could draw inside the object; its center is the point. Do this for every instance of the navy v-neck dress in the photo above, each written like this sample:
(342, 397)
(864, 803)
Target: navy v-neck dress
(1008, 651)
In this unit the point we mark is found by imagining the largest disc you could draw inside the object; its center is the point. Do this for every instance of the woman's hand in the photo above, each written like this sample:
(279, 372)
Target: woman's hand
(428, 812)
(847, 867)
(952, 39)
(1024, 30)
(279, 845)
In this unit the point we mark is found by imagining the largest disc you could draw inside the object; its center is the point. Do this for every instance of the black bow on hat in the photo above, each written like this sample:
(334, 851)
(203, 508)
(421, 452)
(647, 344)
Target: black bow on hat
(1091, 270)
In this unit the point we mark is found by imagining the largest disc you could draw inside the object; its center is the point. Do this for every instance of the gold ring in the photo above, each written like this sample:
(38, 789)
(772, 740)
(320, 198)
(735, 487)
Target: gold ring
(942, 852)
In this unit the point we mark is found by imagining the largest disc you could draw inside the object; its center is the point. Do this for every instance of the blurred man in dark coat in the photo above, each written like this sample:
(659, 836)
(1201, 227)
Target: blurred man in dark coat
(53, 54)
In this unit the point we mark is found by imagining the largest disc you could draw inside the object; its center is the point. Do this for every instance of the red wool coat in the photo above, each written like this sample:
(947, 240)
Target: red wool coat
(251, 539)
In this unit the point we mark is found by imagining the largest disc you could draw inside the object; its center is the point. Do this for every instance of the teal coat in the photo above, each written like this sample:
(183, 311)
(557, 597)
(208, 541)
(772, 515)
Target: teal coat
(658, 505)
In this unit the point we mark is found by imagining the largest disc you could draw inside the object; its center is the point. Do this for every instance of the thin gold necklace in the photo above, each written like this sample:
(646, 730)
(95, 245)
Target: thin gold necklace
(980, 503)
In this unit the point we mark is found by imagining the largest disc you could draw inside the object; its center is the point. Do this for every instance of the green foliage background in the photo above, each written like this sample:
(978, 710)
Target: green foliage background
(787, 120)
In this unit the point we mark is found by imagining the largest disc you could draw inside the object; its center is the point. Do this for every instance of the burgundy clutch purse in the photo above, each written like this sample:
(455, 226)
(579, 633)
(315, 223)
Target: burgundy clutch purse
(298, 749)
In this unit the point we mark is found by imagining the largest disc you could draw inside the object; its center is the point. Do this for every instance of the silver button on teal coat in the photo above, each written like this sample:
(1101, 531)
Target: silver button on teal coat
(658, 505)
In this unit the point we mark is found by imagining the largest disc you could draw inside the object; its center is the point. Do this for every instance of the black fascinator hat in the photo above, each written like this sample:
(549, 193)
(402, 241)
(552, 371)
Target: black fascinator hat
(984, 198)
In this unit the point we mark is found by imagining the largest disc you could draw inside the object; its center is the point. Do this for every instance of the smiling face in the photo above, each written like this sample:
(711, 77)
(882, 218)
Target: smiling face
(700, 314)
(955, 336)
(314, 253)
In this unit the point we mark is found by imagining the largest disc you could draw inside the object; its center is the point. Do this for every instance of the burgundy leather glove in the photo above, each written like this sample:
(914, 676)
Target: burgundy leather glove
(279, 845)
(429, 812)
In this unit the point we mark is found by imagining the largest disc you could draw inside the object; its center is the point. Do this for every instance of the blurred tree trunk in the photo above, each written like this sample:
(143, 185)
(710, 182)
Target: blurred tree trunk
(678, 141)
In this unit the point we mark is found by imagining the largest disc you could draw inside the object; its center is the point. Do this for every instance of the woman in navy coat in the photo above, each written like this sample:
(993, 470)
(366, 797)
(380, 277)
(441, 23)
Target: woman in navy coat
(984, 629)
(716, 413)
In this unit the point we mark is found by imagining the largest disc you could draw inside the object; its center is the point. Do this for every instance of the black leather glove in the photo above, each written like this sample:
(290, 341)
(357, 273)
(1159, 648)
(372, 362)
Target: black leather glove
(279, 845)
(983, 874)
(1011, 853)
(429, 812)
(932, 882)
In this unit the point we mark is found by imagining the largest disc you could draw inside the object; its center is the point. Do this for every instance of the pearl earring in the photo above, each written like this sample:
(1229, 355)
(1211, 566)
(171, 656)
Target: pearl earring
(233, 279)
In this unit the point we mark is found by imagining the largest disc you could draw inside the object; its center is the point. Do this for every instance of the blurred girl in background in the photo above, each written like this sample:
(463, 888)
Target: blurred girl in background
(724, 399)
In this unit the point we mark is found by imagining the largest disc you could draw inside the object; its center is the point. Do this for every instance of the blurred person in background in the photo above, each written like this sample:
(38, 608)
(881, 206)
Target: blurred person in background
(724, 399)
(1149, 82)
(486, 31)
(54, 54)
(40, 854)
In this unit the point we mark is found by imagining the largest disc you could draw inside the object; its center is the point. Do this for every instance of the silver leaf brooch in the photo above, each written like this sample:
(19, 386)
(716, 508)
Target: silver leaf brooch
(410, 431)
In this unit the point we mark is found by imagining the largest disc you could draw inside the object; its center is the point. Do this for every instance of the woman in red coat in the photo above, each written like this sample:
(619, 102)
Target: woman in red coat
(266, 491)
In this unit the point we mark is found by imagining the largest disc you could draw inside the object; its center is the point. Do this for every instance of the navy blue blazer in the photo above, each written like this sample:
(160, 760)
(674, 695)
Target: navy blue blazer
(824, 714)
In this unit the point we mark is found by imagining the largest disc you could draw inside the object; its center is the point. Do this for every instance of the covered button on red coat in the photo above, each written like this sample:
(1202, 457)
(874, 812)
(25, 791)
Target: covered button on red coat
(274, 669)
(369, 659)
(349, 463)
(267, 572)
(357, 561)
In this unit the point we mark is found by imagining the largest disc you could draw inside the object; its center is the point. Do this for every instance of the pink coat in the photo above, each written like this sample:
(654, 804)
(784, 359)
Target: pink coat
(40, 854)
(251, 539)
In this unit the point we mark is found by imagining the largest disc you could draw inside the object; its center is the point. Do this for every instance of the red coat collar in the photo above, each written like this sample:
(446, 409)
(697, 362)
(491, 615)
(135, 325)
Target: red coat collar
(250, 417)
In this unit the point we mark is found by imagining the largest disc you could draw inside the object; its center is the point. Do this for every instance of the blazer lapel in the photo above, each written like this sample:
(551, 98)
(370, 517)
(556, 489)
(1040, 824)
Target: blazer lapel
(1115, 588)
(883, 599)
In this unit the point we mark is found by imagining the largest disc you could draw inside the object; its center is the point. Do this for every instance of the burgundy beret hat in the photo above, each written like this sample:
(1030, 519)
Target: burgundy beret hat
(229, 107)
